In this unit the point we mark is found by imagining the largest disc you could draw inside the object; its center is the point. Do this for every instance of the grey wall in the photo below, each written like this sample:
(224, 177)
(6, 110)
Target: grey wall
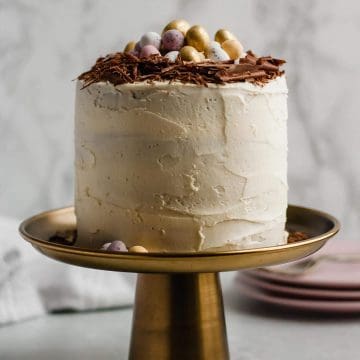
(45, 44)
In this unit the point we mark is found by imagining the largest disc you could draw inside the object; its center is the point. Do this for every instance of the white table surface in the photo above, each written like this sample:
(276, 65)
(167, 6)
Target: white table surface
(255, 332)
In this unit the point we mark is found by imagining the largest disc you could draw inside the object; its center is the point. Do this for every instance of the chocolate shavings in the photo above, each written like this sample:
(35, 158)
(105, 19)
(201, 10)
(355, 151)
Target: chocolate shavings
(123, 68)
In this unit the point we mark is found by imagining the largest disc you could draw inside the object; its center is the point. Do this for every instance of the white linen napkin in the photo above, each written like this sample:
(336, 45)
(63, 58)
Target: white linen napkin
(32, 285)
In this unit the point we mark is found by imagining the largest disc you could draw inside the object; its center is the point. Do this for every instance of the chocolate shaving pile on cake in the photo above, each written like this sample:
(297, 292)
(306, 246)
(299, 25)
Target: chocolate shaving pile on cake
(122, 68)
(185, 54)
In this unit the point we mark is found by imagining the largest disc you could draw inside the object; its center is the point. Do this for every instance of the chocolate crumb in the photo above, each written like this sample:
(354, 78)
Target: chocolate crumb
(297, 236)
(124, 68)
(67, 237)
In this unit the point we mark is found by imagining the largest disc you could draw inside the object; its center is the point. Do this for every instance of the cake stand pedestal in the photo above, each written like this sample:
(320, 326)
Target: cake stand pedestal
(179, 311)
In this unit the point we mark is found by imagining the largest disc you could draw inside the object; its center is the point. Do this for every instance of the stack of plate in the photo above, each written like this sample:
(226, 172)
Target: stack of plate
(328, 281)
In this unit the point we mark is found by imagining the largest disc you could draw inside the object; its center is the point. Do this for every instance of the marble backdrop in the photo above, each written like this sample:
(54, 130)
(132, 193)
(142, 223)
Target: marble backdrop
(46, 44)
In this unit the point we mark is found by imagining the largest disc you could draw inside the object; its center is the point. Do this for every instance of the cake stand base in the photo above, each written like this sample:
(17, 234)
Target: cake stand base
(178, 310)
(189, 324)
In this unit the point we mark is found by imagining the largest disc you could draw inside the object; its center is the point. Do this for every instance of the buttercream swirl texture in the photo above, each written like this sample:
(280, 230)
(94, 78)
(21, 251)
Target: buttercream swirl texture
(181, 167)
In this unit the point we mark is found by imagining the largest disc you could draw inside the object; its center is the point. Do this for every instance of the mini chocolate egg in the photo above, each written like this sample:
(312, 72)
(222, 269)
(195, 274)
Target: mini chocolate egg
(202, 56)
(148, 50)
(137, 47)
(179, 24)
(117, 245)
(233, 48)
(151, 38)
(138, 249)
(172, 40)
(211, 45)
(130, 46)
(105, 246)
(216, 53)
(133, 52)
(189, 53)
(214, 43)
(172, 55)
(223, 35)
(197, 37)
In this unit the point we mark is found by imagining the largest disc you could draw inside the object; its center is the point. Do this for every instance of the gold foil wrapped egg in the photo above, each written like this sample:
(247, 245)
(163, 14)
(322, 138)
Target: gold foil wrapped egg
(233, 48)
(130, 46)
(223, 35)
(197, 37)
(138, 249)
(179, 24)
(189, 53)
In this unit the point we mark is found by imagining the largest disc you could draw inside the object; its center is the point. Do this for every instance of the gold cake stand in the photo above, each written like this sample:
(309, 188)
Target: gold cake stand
(178, 310)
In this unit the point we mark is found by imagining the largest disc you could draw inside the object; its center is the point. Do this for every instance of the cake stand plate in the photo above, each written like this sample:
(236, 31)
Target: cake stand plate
(178, 310)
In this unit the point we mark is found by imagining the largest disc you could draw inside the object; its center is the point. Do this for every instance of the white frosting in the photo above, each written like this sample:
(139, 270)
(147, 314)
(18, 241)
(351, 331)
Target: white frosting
(181, 167)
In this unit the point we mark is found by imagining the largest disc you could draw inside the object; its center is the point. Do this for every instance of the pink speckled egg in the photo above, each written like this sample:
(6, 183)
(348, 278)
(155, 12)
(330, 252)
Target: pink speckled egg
(148, 50)
(117, 245)
(151, 38)
(173, 40)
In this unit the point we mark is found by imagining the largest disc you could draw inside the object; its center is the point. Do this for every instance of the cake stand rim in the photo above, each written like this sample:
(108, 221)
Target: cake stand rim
(66, 248)
(42, 244)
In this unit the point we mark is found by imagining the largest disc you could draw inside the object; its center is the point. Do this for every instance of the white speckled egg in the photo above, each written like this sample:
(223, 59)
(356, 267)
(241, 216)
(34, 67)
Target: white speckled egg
(216, 53)
(151, 38)
(172, 55)
(214, 44)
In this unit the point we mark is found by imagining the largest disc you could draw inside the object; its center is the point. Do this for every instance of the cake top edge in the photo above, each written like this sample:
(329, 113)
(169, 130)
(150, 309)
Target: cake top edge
(275, 86)
(126, 68)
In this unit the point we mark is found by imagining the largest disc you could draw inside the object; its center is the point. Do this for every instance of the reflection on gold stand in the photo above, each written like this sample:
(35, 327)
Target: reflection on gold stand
(179, 316)
(178, 310)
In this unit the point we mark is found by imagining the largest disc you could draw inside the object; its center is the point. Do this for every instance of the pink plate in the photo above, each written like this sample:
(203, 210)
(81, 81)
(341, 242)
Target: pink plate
(330, 306)
(298, 291)
(330, 275)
